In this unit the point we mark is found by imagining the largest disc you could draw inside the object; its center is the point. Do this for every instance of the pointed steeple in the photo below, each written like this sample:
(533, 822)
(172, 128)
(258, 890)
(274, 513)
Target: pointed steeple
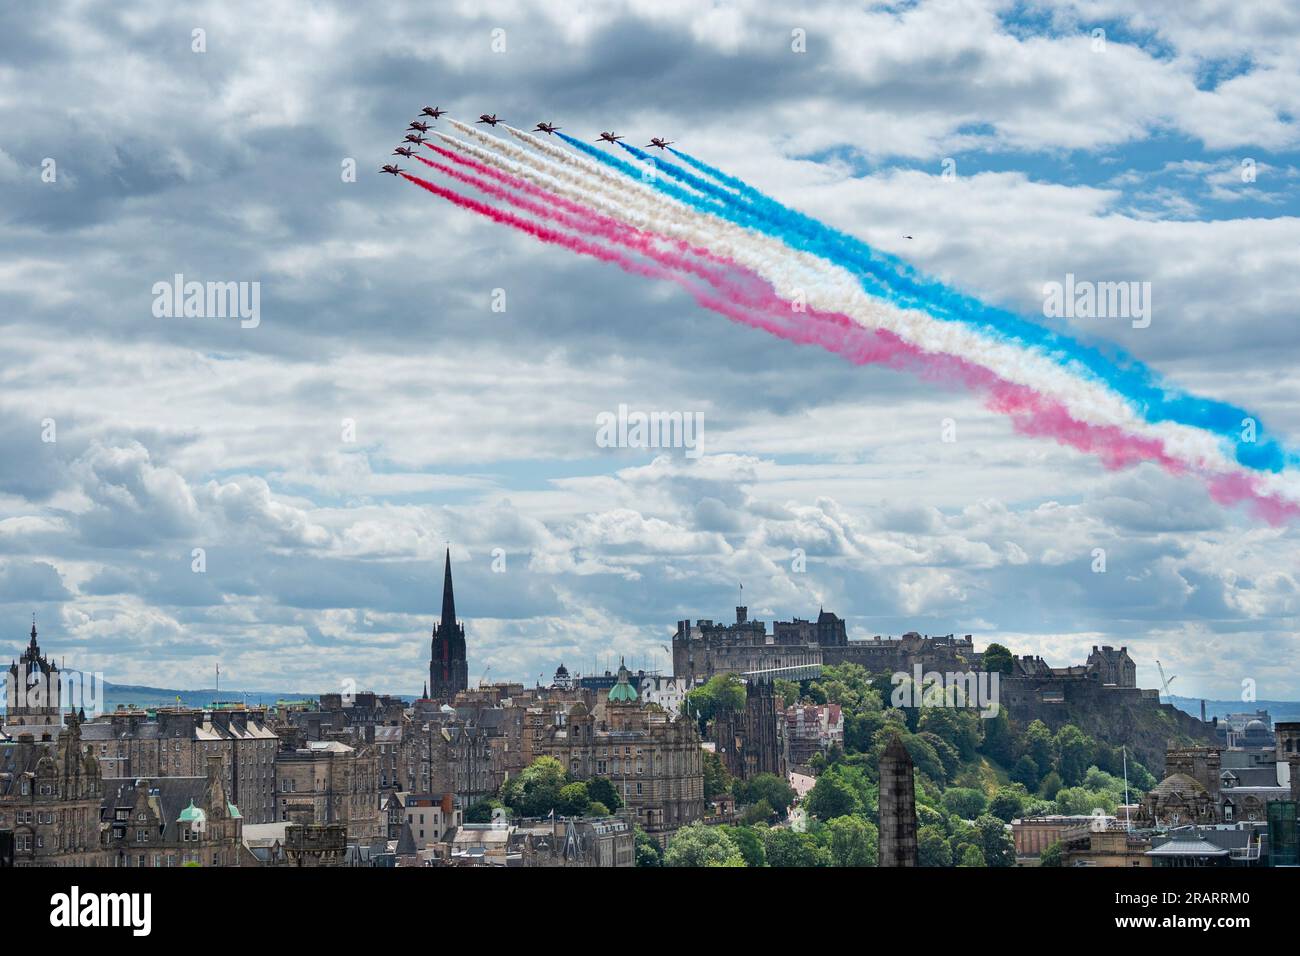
(448, 596)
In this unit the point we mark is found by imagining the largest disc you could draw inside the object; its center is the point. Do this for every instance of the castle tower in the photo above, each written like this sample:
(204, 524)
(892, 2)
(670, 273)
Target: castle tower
(897, 807)
(448, 668)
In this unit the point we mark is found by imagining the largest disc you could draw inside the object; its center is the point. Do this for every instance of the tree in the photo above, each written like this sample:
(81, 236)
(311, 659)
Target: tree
(786, 848)
(597, 809)
(965, 802)
(787, 690)
(1074, 751)
(700, 845)
(750, 843)
(971, 856)
(1052, 856)
(932, 847)
(717, 780)
(853, 841)
(481, 812)
(648, 850)
(1026, 772)
(1008, 803)
(573, 801)
(831, 797)
(601, 790)
(765, 786)
(1039, 744)
(757, 813)
(722, 693)
(996, 844)
(536, 791)
(998, 658)
(1050, 786)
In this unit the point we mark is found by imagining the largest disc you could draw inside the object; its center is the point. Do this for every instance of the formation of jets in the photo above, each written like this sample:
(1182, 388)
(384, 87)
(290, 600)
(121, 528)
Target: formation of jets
(419, 128)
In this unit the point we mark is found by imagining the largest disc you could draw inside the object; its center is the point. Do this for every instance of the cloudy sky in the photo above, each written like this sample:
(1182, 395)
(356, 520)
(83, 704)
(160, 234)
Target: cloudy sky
(127, 157)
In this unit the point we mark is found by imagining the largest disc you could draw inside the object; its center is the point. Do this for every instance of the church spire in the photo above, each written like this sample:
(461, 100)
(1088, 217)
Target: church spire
(448, 596)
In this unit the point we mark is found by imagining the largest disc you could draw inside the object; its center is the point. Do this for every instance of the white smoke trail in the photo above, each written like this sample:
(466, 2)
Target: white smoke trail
(826, 286)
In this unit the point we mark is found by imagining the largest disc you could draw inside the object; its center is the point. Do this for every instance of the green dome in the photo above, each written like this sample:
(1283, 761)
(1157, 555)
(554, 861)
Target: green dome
(622, 692)
(192, 814)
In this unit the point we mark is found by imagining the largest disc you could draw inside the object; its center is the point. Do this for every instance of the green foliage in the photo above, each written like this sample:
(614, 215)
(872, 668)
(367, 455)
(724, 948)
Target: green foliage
(964, 802)
(784, 847)
(602, 790)
(1008, 803)
(750, 843)
(481, 812)
(1038, 743)
(536, 791)
(757, 813)
(1050, 785)
(787, 690)
(597, 809)
(724, 693)
(717, 780)
(932, 847)
(1074, 751)
(853, 841)
(971, 856)
(648, 850)
(832, 796)
(1026, 772)
(1080, 800)
(996, 845)
(1052, 856)
(997, 658)
(700, 845)
(765, 786)
(573, 801)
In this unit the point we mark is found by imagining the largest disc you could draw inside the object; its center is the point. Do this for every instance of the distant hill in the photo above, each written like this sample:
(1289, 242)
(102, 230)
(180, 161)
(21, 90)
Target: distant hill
(1279, 710)
(138, 695)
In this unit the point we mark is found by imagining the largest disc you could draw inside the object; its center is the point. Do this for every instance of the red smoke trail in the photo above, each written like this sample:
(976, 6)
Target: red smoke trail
(1031, 412)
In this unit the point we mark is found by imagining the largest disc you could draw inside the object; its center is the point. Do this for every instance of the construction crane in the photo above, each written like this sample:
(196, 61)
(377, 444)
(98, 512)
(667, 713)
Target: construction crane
(1165, 681)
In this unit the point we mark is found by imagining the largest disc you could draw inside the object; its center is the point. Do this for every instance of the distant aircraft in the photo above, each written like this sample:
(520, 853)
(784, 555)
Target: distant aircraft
(391, 169)
(415, 138)
(609, 138)
(403, 151)
(658, 141)
(545, 128)
(907, 237)
(422, 127)
(432, 111)
(489, 118)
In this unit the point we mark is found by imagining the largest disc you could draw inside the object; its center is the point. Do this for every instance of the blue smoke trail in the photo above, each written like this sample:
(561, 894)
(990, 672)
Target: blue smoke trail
(1146, 391)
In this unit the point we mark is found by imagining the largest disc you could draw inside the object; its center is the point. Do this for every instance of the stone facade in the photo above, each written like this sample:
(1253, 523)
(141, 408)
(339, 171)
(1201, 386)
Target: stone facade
(653, 759)
(171, 821)
(448, 668)
(752, 741)
(50, 792)
(177, 742)
(329, 782)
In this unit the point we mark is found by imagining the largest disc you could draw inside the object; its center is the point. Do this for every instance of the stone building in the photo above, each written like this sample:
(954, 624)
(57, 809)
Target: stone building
(812, 729)
(171, 821)
(325, 781)
(705, 649)
(653, 759)
(579, 842)
(448, 667)
(50, 792)
(898, 846)
(295, 844)
(752, 741)
(177, 741)
(1113, 667)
